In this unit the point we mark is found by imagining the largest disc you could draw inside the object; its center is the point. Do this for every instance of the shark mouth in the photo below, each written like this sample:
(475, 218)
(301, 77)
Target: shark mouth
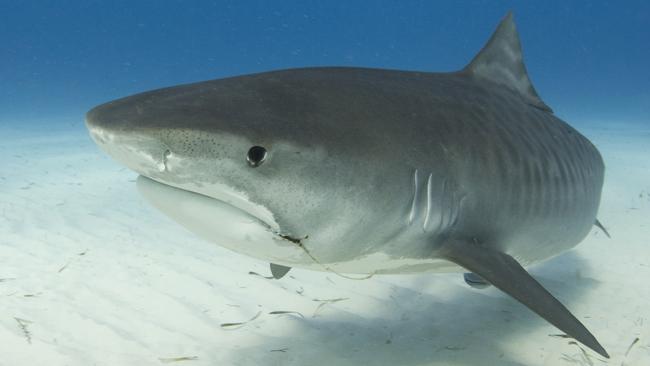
(229, 222)
(156, 191)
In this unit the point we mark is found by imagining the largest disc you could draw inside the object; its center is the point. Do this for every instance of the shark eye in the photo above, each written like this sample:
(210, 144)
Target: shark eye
(256, 156)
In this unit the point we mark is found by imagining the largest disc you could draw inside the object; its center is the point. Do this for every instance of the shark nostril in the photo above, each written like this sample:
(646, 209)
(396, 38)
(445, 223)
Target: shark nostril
(165, 156)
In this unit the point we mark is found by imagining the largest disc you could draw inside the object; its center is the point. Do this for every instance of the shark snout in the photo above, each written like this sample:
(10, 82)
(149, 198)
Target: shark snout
(109, 116)
(139, 151)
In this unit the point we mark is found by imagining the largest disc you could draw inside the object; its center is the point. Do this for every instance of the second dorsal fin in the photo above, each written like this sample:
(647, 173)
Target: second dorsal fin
(501, 62)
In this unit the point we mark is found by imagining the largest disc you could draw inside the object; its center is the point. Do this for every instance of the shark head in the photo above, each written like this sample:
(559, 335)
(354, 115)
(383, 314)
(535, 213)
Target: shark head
(271, 146)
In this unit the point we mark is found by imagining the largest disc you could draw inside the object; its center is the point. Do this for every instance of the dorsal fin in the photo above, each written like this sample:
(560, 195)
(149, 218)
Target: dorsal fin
(501, 61)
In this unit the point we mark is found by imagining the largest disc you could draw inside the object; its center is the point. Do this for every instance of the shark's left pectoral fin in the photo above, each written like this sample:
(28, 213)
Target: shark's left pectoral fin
(279, 271)
(505, 273)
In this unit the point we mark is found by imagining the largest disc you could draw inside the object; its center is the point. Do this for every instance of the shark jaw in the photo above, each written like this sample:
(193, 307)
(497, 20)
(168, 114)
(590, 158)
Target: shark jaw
(223, 222)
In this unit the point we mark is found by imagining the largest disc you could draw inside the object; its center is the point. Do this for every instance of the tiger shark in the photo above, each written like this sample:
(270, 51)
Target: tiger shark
(371, 171)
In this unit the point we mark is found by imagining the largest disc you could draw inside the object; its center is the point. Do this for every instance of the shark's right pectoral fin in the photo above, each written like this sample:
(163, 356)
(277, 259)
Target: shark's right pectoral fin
(505, 273)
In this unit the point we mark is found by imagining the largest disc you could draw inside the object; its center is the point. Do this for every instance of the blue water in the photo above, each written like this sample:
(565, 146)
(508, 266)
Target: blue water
(588, 59)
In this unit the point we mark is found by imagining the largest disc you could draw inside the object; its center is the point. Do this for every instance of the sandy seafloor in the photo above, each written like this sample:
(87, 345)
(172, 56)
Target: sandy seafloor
(92, 275)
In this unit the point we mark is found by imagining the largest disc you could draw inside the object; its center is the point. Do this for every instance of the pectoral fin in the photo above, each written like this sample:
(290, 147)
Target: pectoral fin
(279, 271)
(505, 273)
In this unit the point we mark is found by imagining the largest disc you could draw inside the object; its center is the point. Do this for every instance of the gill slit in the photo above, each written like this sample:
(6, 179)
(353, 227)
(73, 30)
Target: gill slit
(414, 202)
(448, 199)
(427, 216)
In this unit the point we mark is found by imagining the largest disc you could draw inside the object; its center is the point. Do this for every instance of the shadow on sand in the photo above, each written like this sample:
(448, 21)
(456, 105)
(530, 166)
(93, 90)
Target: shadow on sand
(459, 327)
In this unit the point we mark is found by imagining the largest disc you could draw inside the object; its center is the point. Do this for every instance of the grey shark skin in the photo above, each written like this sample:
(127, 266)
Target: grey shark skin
(356, 170)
